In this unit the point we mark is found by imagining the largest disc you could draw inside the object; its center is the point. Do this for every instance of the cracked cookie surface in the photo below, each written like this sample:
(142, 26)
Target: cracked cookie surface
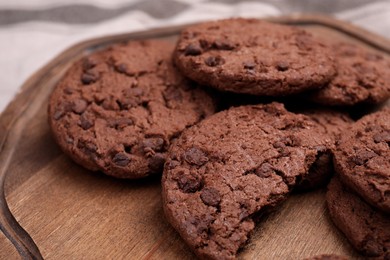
(118, 109)
(232, 166)
(362, 158)
(367, 228)
(254, 57)
(334, 123)
(362, 77)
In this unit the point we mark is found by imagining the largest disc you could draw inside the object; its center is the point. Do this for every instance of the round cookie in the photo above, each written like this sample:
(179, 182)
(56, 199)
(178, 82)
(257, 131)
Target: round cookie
(232, 166)
(321, 171)
(363, 77)
(254, 57)
(366, 228)
(118, 110)
(362, 158)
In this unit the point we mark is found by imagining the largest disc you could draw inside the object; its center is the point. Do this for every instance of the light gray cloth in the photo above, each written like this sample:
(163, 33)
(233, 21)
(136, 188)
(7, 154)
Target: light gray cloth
(33, 32)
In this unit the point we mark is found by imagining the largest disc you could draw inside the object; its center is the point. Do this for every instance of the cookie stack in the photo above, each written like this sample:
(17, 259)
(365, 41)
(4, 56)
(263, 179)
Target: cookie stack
(147, 107)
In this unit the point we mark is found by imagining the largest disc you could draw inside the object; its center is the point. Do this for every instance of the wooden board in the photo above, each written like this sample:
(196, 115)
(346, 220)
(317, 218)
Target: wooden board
(72, 213)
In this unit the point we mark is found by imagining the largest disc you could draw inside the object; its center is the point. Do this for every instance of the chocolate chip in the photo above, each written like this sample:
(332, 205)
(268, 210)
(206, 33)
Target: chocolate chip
(195, 156)
(192, 50)
(358, 134)
(98, 98)
(249, 65)
(223, 44)
(120, 123)
(85, 122)
(79, 106)
(154, 143)
(214, 61)
(110, 103)
(382, 137)
(127, 103)
(279, 144)
(60, 112)
(121, 68)
(90, 146)
(204, 44)
(264, 171)
(188, 183)
(292, 140)
(362, 157)
(61, 109)
(172, 164)
(87, 147)
(89, 63)
(121, 159)
(282, 66)
(210, 197)
(88, 78)
(156, 162)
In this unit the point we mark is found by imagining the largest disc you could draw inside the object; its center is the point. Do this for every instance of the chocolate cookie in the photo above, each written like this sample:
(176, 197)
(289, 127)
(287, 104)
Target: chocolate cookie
(117, 110)
(363, 77)
(321, 171)
(253, 56)
(362, 158)
(232, 166)
(367, 229)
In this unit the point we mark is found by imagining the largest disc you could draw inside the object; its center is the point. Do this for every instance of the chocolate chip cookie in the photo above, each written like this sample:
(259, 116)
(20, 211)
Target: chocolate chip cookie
(362, 158)
(232, 166)
(118, 110)
(367, 229)
(363, 77)
(253, 56)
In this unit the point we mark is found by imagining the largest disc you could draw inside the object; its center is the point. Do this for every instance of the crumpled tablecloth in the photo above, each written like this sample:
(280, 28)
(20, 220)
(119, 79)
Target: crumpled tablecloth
(33, 32)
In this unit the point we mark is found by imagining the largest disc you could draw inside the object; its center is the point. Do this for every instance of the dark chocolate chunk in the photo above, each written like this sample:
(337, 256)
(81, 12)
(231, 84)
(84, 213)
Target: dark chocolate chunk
(213, 61)
(79, 106)
(121, 159)
(188, 183)
(195, 156)
(210, 197)
(88, 78)
(193, 50)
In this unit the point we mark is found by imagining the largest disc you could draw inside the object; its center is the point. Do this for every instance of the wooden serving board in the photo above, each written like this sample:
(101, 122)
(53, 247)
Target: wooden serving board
(72, 213)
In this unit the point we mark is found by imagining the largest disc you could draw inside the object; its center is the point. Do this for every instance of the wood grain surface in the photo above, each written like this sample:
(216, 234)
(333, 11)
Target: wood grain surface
(72, 213)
